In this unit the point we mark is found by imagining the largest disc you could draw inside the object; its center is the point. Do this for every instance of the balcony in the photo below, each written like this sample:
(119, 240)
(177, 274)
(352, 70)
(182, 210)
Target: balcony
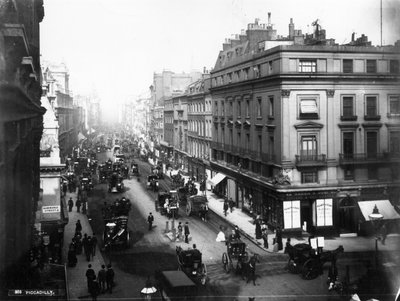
(310, 160)
(216, 145)
(364, 158)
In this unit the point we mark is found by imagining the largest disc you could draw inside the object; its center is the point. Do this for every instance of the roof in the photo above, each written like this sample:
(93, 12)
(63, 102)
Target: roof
(177, 278)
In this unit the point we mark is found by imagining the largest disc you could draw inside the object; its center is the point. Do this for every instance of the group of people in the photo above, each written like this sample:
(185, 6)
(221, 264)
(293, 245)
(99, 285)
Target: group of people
(102, 283)
(87, 244)
(78, 205)
(228, 205)
(183, 232)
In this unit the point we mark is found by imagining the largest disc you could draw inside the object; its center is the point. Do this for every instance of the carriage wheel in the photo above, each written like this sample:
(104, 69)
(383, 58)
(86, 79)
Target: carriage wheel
(310, 269)
(203, 273)
(225, 262)
(188, 208)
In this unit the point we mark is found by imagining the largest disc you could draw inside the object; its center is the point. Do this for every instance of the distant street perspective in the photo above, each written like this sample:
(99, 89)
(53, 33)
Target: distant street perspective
(144, 156)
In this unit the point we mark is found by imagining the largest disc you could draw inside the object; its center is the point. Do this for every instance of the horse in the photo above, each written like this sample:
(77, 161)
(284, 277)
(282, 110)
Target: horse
(248, 268)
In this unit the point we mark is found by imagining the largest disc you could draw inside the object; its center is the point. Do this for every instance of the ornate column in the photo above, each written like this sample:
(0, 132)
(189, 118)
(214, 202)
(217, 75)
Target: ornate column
(285, 114)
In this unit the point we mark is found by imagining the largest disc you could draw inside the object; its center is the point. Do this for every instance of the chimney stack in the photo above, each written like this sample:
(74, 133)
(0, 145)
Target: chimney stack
(269, 18)
(291, 29)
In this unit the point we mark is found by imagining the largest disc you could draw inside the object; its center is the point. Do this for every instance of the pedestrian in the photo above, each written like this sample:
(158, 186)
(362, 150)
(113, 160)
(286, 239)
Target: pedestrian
(72, 260)
(187, 232)
(78, 204)
(231, 204)
(226, 206)
(278, 237)
(110, 278)
(90, 276)
(85, 244)
(88, 251)
(94, 244)
(265, 238)
(94, 289)
(205, 212)
(258, 228)
(237, 232)
(78, 227)
(70, 204)
(180, 232)
(78, 243)
(84, 208)
(150, 220)
(384, 233)
(101, 276)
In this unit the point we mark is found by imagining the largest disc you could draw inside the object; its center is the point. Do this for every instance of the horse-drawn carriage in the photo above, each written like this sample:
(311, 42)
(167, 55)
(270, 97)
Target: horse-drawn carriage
(135, 169)
(115, 183)
(167, 203)
(308, 262)
(152, 182)
(190, 262)
(236, 252)
(115, 218)
(197, 204)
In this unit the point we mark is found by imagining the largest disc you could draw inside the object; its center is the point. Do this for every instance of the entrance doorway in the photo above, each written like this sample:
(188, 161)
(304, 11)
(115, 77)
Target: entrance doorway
(347, 215)
(306, 215)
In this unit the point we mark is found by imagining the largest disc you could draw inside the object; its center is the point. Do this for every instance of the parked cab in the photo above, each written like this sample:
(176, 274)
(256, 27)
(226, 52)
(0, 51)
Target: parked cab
(176, 285)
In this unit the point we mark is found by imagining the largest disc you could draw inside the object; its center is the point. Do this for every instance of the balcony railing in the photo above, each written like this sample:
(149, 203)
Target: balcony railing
(267, 157)
(310, 160)
(363, 158)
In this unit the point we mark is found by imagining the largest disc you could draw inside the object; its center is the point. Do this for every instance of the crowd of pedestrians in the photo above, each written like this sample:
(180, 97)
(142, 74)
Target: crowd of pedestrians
(102, 283)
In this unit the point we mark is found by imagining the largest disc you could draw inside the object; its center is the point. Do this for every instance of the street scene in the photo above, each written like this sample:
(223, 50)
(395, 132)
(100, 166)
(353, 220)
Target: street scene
(263, 167)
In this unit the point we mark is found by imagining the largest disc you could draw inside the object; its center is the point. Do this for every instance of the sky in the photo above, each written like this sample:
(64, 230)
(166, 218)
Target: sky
(113, 47)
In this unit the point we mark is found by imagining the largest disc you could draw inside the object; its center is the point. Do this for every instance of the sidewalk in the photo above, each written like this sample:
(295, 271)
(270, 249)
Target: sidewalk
(247, 228)
(77, 284)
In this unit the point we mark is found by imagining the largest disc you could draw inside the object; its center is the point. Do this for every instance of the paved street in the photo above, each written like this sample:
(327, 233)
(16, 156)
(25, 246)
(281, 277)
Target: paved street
(153, 250)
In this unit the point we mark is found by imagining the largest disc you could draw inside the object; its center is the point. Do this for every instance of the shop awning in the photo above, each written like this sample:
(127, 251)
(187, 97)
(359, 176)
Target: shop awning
(217, 179)
(384, 206)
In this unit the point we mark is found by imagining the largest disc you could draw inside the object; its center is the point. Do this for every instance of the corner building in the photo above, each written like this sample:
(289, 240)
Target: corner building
(306, 133)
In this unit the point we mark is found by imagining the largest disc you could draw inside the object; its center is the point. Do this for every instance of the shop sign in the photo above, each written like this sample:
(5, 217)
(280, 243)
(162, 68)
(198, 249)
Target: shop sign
(51, 209)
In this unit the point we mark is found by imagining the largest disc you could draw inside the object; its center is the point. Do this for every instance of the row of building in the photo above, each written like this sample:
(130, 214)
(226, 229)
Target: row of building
(297, 129)
(40, 123)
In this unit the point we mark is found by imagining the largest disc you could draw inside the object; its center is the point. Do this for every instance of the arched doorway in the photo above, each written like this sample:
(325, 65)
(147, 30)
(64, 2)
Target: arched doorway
(348, 215)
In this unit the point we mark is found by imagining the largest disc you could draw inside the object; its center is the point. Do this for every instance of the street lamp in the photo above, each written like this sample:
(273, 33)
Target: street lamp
(375, 217)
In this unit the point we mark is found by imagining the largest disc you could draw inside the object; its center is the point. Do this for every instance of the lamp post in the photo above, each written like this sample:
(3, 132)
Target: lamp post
(375, 217)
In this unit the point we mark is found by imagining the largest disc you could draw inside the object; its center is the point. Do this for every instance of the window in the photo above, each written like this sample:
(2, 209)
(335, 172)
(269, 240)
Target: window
(309, 177)
(372, 172)
(291, 214)
(247, 142)
(324, 212)
(239, 109)
(347, 66)
(394, 66)
(308, 108)
(216, 108)
(260, 144)
(371, 66)
(258, 107)
(394, 105)
(372, 144)
(222, 108)
(307, 66)
(246, 73)
(229, 75)
(371, 107)
(349, 172)
(394, 143)
(231, 108)
(348, 108)
(348, 144)
(308, 147)
(247, 108)
(271, 108)
(257, 71)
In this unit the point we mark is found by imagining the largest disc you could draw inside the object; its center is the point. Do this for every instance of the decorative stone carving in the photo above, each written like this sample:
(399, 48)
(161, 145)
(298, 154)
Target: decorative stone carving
(285, 93)
(330, 93)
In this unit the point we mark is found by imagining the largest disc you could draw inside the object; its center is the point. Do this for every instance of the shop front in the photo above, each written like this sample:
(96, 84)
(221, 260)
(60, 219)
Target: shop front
(182, 160)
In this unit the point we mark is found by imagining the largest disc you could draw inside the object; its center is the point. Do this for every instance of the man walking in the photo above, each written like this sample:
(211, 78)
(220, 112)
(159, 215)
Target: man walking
(150, 220)
(78, 227)
(187, 232)
(226, 206)
(180, 231)
(78, 205)
(86, 247)
(70, 204)
(102, 278)
(94, 244)
(90, 276)
(110, 278)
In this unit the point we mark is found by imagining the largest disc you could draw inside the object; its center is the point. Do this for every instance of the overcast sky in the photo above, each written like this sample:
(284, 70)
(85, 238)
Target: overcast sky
(115, 46)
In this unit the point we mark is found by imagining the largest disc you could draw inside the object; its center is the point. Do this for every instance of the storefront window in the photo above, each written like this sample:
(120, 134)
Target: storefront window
(324, 212)
(291, 214)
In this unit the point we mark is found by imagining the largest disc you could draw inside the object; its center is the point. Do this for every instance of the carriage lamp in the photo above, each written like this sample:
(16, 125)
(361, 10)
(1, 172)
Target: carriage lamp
(375, 217)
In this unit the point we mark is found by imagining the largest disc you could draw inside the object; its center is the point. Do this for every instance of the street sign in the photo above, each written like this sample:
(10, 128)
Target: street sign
(51, 209)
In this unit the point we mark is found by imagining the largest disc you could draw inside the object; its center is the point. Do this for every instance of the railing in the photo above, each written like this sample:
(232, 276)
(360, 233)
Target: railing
(363, 158)
(267, 157)
(310, 160)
